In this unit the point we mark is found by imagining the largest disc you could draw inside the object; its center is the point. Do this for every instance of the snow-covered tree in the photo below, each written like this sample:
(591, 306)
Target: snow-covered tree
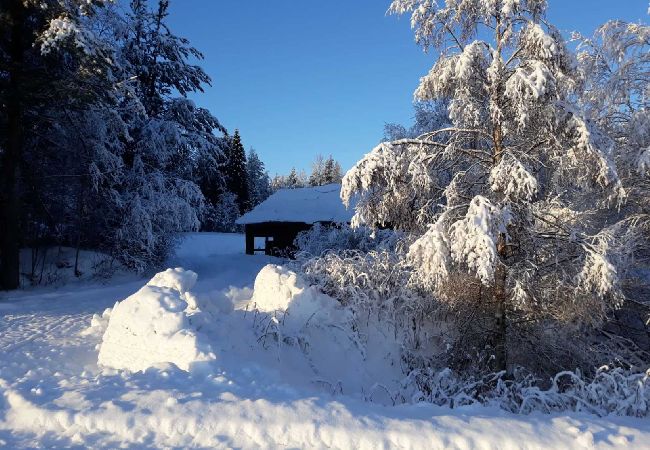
(294, 180)
(317, 167)
(429, 115)
(168, 136)
(615, 93)
(258, 178)
(160, 59)
(109, 153)
(331, 171)
(325, 171)
(236, 172)
(510, 202)
(614, 65)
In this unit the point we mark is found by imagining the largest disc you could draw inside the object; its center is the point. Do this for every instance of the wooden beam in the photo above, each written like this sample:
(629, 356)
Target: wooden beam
(250, 240)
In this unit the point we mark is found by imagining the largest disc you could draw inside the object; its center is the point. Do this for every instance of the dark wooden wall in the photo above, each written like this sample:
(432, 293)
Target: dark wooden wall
(282, 233)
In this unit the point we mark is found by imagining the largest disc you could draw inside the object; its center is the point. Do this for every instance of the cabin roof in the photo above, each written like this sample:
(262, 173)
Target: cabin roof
(306, 205)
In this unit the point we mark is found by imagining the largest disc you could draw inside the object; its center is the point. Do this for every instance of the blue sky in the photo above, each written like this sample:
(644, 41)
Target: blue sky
(300, 78)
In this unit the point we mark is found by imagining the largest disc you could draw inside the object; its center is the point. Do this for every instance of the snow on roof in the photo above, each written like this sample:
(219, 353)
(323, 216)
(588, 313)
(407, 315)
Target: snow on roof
(307, 205)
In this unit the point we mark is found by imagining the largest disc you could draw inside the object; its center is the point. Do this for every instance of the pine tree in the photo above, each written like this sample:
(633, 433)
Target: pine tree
(292, 179)
(236, 173)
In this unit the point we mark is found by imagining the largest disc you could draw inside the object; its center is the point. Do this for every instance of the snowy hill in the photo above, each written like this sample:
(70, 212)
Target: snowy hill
(255, 393)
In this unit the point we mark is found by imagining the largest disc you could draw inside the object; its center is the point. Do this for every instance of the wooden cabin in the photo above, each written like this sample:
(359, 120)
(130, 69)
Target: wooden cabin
(272, 226)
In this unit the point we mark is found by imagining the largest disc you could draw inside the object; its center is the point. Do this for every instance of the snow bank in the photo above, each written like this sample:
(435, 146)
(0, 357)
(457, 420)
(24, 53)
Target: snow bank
(311, 333)
(98, 324)
(158, 419)
(154, 326)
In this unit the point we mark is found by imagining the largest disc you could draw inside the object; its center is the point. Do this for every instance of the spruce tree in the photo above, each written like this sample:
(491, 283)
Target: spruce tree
(43, 71)
(236, 173)
(258, 179)
(331, 171)
(292, 180)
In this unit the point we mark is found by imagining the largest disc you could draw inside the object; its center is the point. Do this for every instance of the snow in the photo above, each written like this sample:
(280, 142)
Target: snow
(55, 266)
(513, 179)
(257, 393)
(278, 288)
(473, 239)
(154, 326)
(307, 205)
(430, 254)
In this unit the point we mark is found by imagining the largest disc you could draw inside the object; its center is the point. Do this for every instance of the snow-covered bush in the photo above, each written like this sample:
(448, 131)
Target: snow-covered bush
(611, 391)
(375, 287)
(290, 313)
(323, 238)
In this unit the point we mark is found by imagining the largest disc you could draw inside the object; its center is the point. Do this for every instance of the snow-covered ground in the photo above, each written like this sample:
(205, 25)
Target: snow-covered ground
(251, 394)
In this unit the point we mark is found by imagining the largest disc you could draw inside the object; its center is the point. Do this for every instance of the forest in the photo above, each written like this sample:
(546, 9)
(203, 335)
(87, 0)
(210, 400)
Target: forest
(102, 148)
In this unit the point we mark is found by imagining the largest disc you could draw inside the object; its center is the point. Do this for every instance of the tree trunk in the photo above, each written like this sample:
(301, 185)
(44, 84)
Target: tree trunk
(500, 276)
(500, 311)
(9, 203)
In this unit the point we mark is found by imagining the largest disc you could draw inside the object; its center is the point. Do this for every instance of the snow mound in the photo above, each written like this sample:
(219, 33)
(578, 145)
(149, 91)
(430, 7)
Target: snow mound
(275, 287)
(308, 330)
(154, 326)
(278, 289)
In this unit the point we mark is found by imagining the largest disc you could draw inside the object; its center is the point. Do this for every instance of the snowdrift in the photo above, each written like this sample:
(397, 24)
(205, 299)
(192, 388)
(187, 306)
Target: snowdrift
(154, 326)
(311, 333)
(280, 290)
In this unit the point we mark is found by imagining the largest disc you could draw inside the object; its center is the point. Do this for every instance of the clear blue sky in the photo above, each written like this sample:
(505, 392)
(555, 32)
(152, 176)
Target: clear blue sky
(305, 77)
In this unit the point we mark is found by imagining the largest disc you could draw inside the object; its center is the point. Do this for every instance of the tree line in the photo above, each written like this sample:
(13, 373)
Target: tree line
(323, 171)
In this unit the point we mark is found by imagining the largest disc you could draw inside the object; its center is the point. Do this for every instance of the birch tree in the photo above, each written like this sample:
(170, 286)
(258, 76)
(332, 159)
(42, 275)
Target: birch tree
(614, 67)
(507, 203)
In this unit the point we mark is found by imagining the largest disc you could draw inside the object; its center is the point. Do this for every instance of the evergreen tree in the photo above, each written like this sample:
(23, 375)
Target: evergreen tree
(236, 173)
(331, 171)
(292, 180)
(49, 62)
(112, 156)
(258, 179)
(325, 171)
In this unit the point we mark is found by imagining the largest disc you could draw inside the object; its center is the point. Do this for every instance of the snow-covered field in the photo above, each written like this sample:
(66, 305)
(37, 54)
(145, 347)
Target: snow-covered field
(249, 393)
